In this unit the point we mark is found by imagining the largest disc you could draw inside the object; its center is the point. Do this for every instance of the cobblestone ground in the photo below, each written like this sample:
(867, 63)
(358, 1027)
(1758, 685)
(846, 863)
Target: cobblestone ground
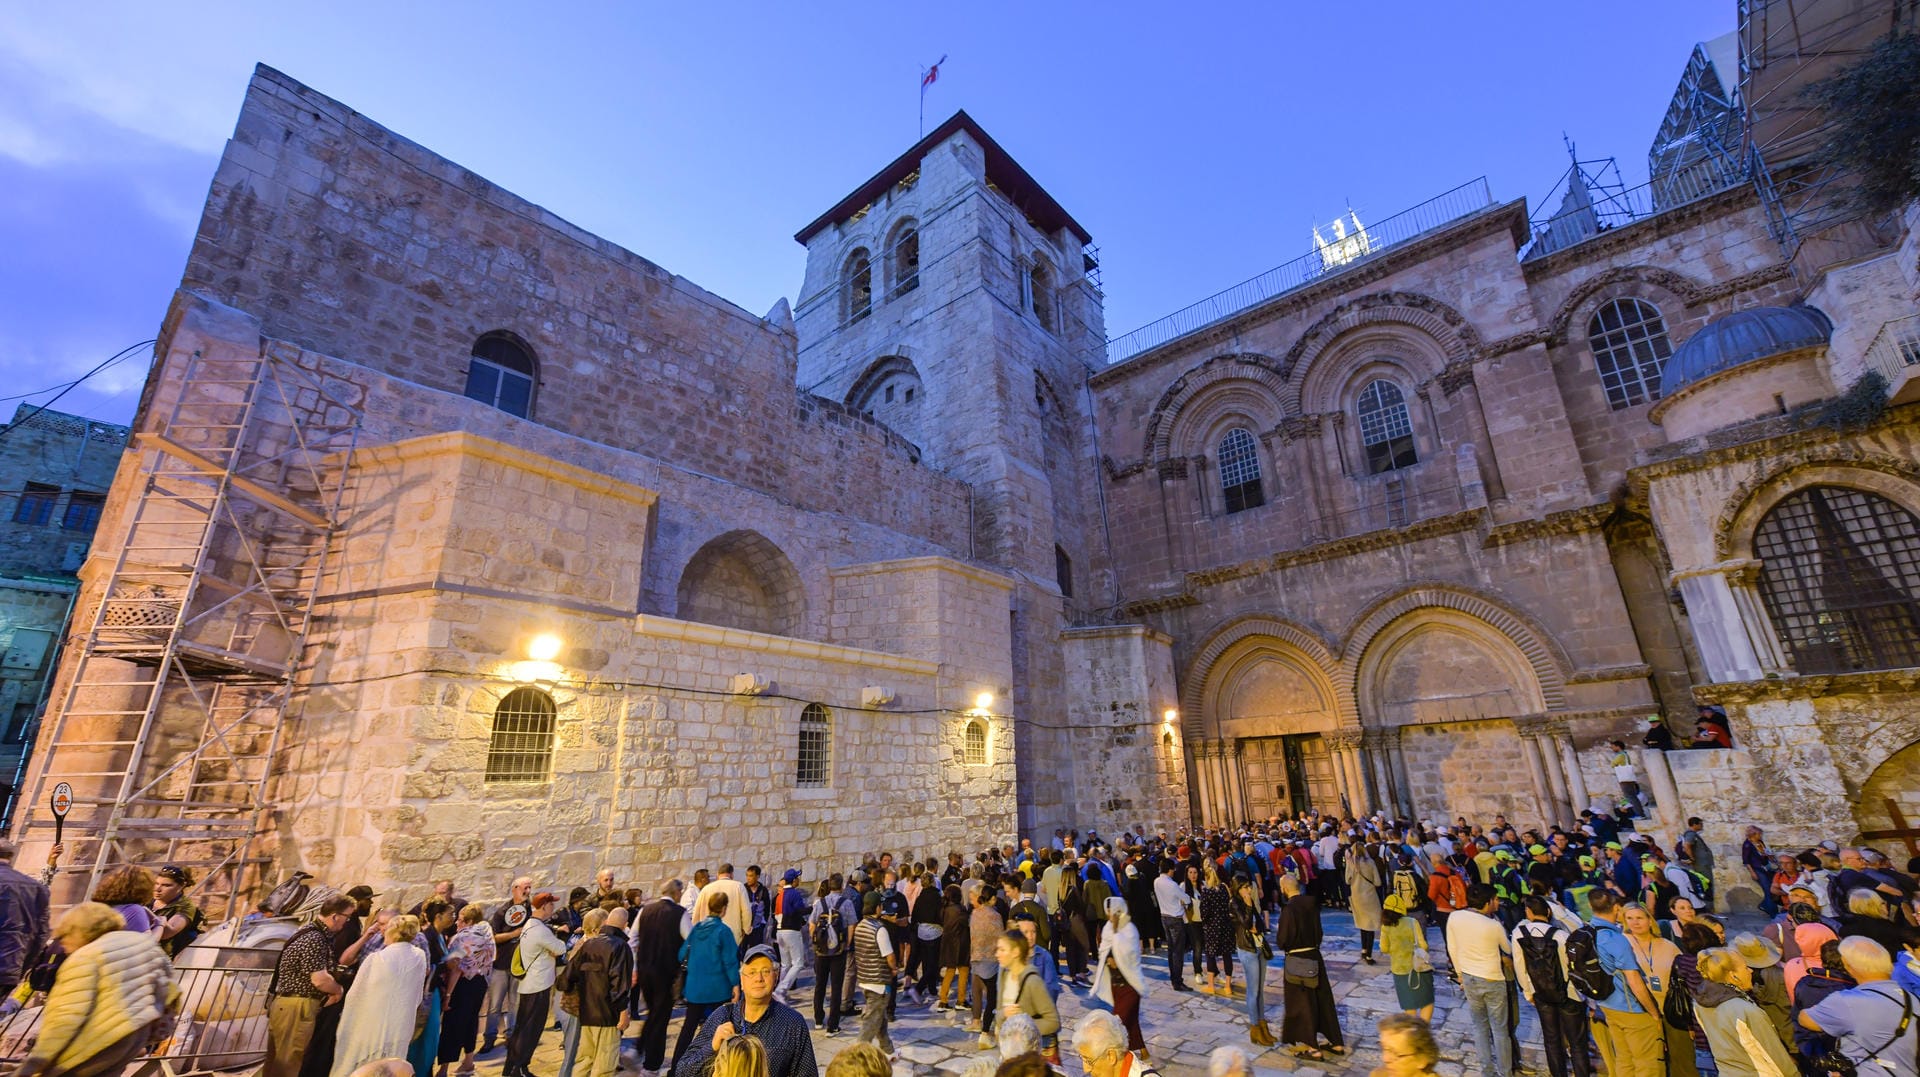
(1182, 1029)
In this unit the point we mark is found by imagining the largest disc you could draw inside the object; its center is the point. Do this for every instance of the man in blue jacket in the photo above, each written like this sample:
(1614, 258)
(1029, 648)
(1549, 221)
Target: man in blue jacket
(23, 921)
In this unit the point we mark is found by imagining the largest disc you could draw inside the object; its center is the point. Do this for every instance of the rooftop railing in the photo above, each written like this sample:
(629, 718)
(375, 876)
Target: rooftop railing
(1343, 253)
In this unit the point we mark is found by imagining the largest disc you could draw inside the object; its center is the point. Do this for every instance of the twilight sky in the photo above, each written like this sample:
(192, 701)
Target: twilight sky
(1197, 145)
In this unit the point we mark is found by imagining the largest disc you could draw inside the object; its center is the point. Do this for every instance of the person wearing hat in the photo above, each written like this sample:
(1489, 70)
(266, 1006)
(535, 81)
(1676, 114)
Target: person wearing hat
(1769, 977)
(539, 949)
(1658, 736)
(179, 917)
(781, 1030)
(790, 908)
(1743, 1040)
(1404, 942)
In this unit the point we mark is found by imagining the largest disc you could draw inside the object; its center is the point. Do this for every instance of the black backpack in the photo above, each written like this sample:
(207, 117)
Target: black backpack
(1589, 977)
(1541, 952)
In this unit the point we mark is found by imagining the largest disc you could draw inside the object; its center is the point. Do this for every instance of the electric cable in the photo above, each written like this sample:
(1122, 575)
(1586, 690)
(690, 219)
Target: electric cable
(69, 387)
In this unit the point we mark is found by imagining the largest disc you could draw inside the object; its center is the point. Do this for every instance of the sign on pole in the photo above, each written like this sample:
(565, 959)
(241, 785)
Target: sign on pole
(62, 804)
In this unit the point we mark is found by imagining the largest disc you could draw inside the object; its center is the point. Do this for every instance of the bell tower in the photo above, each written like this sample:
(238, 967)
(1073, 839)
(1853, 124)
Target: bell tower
(950, 298)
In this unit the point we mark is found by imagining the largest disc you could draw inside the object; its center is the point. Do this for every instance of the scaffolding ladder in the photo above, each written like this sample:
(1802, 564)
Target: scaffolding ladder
(171, 708)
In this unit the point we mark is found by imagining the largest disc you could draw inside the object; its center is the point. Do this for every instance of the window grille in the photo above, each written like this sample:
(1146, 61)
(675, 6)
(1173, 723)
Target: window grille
(816, 747)
(1240, 471)
(522, 745)
(500, 374)
(83, 512)
(976, 752)
(36, 504)
(1840, 575)
(1629, 341)
(1386, 431)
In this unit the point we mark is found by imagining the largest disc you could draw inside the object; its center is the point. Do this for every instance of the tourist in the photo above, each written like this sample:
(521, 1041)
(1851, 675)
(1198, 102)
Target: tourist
(1480, 951)
(828, 931)
(1118, 979)
(1102, 1040)
(1876, 1024)
(1027, 924)
(1022, 990)
(470, 954)
(1446, 890)
(1407, 1047)
(790, 909)
(778, 1027)
(711, 955)
(23, 926)
(109, 995)
(600, 972)
(1142, 877)
(1657, 958)
(739, 914)
(1363, 896)
(1768, 981)
(302, 983)
(1628, 777)
(876, 963)
(1308, 1013)
(956, 951)
(1016, 1035)
(1190, 884)
(508, 921)
(1404, 941)
(984, 926)
(1692, 848)
(1868, 916)
(179, 917)
(656, 965)
(378, 1018)
(1807, 941)
(1073, 915)
(760, 903)
(1759, 864)
(129, 890)
(537, 951)
(1628, 1027)
(1540, 965)
(859, 1060)
(1825, 974)
(1742, 1039)
(1215, 907)
(1172, 902)
(436, 925)
(929, 925)
(1250, 938)
(740, 1056)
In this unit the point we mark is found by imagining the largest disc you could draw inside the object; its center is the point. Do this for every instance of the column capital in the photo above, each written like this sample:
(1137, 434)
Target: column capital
(1341, 740)
(1535, 725)
(1380, 739)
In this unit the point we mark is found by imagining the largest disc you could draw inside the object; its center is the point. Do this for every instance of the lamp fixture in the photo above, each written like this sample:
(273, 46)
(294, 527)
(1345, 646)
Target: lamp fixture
(544, 647)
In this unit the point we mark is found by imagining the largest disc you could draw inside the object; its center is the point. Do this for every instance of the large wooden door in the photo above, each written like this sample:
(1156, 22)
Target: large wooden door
(1309, 774)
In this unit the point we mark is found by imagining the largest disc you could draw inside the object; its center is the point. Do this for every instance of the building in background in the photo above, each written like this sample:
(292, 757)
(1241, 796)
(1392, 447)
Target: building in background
(55, 469)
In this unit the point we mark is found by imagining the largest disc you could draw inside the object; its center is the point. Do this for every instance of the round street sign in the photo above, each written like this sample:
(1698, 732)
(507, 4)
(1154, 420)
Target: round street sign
(62, 800)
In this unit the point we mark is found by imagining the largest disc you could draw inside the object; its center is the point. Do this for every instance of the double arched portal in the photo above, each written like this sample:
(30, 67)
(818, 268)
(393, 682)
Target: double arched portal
(1439, 704)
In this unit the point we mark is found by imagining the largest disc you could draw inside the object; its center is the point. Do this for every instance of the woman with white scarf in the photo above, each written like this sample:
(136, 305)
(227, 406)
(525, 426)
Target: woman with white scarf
(1119, 981)
(378, 1016)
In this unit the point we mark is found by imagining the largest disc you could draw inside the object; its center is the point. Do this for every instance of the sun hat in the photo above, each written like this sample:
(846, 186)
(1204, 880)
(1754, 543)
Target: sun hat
(1758, 953)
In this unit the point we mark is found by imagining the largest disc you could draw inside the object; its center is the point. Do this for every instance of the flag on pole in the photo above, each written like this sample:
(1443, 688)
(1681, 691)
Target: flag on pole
(927, 78)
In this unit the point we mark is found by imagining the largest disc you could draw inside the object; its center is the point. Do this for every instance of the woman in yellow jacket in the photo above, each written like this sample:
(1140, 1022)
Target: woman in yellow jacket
(107, 999)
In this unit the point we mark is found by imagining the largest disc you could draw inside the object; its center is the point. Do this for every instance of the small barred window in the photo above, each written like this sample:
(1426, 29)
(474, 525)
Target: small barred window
(976, 755)
(1629, 341)
(1240, 471)
(816, 747)
(522, 745)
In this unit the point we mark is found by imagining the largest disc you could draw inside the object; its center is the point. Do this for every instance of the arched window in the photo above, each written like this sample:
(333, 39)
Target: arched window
(1166, 741)
(1629, 342)
(1040, 294)
(1063, 571)
(976, 750)
(816, 747)
(1840, 574)
(522, 746)
(500, 374)
(1385, 430)
(1240, 471)
(904, 261)
(858, 287)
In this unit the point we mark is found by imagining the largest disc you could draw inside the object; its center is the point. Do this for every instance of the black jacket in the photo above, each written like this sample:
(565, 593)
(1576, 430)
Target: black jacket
(656, 948)
(601, 970)
(23, 924)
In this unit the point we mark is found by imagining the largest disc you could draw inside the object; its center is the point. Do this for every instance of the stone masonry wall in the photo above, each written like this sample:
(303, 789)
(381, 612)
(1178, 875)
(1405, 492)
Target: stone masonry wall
(1127, 759)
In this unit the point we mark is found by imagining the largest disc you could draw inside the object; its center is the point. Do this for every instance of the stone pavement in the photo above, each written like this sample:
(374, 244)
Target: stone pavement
(1182, 1029)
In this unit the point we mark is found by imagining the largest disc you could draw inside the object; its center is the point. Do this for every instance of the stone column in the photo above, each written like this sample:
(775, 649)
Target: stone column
(1180, 513)
(1536, 769)
(1402, 780)
(1730, 623)
(1338, 745)
(1202, 806)
(1666, 795)
(1745, 583)
(1576, 781)
(1377, 754)
(1223, 784)
(1459, 378)
(1236, 779)
(1547, 743)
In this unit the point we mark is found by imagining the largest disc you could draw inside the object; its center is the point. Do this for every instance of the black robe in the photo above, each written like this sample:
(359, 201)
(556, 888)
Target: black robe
(1309, 1012)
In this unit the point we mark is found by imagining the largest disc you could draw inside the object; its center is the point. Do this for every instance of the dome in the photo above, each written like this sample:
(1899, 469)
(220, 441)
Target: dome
(1740, 338)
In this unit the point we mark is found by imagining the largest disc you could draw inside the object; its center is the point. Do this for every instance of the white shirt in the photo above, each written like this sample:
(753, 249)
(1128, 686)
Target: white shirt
(1678, 876)
(1171, 897)
(1540, 927)
(538, 947)
(1475, 944)
(884, 942)
(1323, 851)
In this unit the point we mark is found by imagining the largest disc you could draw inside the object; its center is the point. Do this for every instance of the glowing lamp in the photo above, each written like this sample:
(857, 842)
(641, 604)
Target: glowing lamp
(1172, 716)
(984, 701)
(544, 647)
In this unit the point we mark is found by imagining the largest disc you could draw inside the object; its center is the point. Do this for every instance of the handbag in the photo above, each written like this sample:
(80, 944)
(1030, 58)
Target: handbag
(1302, 969)
(1421, 962)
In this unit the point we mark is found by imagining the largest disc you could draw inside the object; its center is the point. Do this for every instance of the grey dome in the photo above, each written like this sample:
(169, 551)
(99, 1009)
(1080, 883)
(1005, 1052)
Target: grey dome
(1743, 337)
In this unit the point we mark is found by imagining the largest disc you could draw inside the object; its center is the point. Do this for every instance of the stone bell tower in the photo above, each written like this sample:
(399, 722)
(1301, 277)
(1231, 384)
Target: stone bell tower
(949, 297)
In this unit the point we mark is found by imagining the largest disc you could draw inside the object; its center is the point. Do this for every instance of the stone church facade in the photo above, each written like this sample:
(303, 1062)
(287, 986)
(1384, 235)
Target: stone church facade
(621, 574)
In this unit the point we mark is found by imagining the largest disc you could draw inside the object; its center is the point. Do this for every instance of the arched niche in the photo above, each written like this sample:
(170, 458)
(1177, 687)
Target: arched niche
(1433, 665)
(742, 580)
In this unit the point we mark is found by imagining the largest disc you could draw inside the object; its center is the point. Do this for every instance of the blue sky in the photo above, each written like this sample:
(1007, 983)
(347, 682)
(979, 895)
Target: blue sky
(1197, 144)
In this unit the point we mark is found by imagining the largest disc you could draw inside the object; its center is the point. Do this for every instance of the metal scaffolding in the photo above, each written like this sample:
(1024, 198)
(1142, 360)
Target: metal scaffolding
(171, 708)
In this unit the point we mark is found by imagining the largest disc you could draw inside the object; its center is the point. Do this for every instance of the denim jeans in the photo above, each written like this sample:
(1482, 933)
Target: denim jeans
(1256, 986)
(1487, 1009)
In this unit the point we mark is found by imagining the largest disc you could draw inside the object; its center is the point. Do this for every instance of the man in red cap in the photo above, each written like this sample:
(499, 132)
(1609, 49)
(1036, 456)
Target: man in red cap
(538, 949)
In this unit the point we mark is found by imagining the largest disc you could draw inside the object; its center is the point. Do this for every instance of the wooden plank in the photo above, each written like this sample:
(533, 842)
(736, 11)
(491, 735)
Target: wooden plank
(1900, 832)
(245, 485)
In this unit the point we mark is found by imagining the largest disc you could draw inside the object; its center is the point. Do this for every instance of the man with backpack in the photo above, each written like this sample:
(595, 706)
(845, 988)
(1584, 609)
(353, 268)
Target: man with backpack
(1447, 889)
(827, 934)
(1627, 1024)
(1540, 950)
(1481, 953)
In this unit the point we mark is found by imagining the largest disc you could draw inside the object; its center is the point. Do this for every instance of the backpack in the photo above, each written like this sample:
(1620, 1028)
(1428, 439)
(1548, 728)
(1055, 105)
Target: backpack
(829, 929)
(288, 896)
(1677, 1008)
(1456, 889)
(516, 967)
(1408, 887)
(1589, 976)
(1703, 883)
(1541, 952)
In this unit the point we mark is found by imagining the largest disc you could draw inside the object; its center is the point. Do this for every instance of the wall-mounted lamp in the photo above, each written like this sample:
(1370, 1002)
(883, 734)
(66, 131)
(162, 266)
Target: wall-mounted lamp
(1172, 716)
(984, 701)
(544, 647)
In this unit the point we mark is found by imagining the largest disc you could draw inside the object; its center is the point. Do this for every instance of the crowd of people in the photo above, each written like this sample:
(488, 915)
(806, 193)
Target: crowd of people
(1610, 936)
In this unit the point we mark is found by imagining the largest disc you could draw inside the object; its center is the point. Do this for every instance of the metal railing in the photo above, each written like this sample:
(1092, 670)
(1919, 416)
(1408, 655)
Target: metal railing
(1602, 208)
(1895, 349)
(1462, 201)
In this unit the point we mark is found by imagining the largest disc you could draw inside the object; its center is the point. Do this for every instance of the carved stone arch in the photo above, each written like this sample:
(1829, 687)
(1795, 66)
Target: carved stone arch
(1677, 285)
(1251, 368)
(1456, 337)
(1895, 479)
(742, 580)
(1235, 633)
(1543, 654)
(895, 363)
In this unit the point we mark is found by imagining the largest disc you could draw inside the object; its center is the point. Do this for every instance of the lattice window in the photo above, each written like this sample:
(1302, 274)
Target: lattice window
(1629, 341)
(1386, 431)
(500, 374)
(976, 747)
(1240, 471)
(522, 745)
(36, 504)
(1840, 577)
(815, 764)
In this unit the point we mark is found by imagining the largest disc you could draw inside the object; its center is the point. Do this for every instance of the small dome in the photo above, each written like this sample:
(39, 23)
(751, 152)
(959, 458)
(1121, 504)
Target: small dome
(1740, 338)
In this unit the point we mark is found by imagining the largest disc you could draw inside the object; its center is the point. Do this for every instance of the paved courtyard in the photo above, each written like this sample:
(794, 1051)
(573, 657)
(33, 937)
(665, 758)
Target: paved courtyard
(1182, 1028)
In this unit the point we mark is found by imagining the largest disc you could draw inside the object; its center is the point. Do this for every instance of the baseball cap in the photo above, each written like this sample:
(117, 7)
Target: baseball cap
(1615, 846)
(790, 874)
(1395, 903)
(1536, 850)
(363, 892)
(543, 898)
(871, 901)
(763, 950)
(1023, 916)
